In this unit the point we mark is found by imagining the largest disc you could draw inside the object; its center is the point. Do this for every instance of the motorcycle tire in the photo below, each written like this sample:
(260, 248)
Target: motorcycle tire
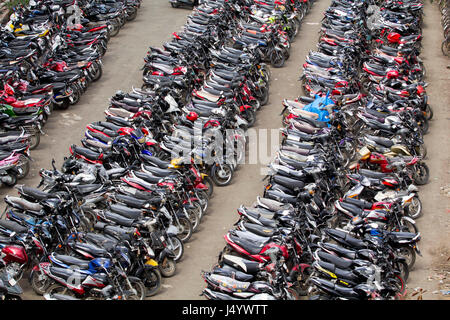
(250, 117)
(210, 184)
(23, 167)
(421, 174)
(203, 199)
(414, 210)
(141, 290)
(115, 28)
(168, 267)
(421, 151)
(39, 283)
(193, 218)
(152, 281)
(409, 254)
(224, 176)
(277, 59)
(429, 112)
(64, 105)
(424, 125)
(264, 99)
(76, 95)
(184, 229)
(177, 248)
(98, 72)
(133, 15)
(400, 283)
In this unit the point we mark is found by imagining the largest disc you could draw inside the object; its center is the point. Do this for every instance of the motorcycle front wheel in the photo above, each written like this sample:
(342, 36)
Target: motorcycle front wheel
(222, 174)
(39, 283)
(277, 59)
(414, 210)
(139, 287)
(152, 281)
(176, 245)
(421, 174)
(167, 267)
(184, 227)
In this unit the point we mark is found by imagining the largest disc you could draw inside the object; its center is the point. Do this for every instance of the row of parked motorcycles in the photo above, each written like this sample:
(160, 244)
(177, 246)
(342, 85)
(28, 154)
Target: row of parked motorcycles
(336, 220)
(50, 51)
(114, 219)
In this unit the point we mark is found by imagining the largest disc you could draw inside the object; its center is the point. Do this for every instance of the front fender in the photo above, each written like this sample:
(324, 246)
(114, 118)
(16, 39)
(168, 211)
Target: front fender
(166, 253)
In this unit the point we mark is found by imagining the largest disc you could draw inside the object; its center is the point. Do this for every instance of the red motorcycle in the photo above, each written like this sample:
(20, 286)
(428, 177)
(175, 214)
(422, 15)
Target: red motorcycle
(417, 169)
(254, 249)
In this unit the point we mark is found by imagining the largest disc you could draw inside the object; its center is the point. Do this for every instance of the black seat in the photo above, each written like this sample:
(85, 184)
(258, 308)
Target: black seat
(130, 201)
(66, 274)
(147, 177)
(260, 230)
(250, 247)
(92, 249)
(126, 211)
(382, 141)
(348, 253)
(87, 188)
(342, 274)
(119, 219)
(339, 262)
(158, 171)
(156, 161)
(288, 182)
(352, 208)
(13, 226)
(345, 239)
(89, 154)
(35, 193)
(72, 261)
(363, 204)
(374, 174)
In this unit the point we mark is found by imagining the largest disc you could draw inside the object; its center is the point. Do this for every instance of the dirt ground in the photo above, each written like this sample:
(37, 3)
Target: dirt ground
(154, 24)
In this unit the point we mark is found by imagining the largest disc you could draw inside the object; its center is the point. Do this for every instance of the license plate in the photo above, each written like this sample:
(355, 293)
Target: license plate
(12, 282)
(162, 238)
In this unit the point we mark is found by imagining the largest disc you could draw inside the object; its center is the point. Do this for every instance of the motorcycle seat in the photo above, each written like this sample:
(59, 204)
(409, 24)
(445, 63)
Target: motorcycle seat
(348, 253)
(71, 260)
(280, 196)
(126, 211)
(66, 274)
(89, 154)
(345, 238)
(13, 226)
(85, 189)
(260, 230)
(337, 261)
(156, 161)
(374, 174)
(247, 245)
(352, 208)
(158, 171)
(147, 177)
(381, 140)
(130, 201)
(229, 271)
(23, 204)
(362, 204)
(230, 283)
(288, 182)
(343, 274)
